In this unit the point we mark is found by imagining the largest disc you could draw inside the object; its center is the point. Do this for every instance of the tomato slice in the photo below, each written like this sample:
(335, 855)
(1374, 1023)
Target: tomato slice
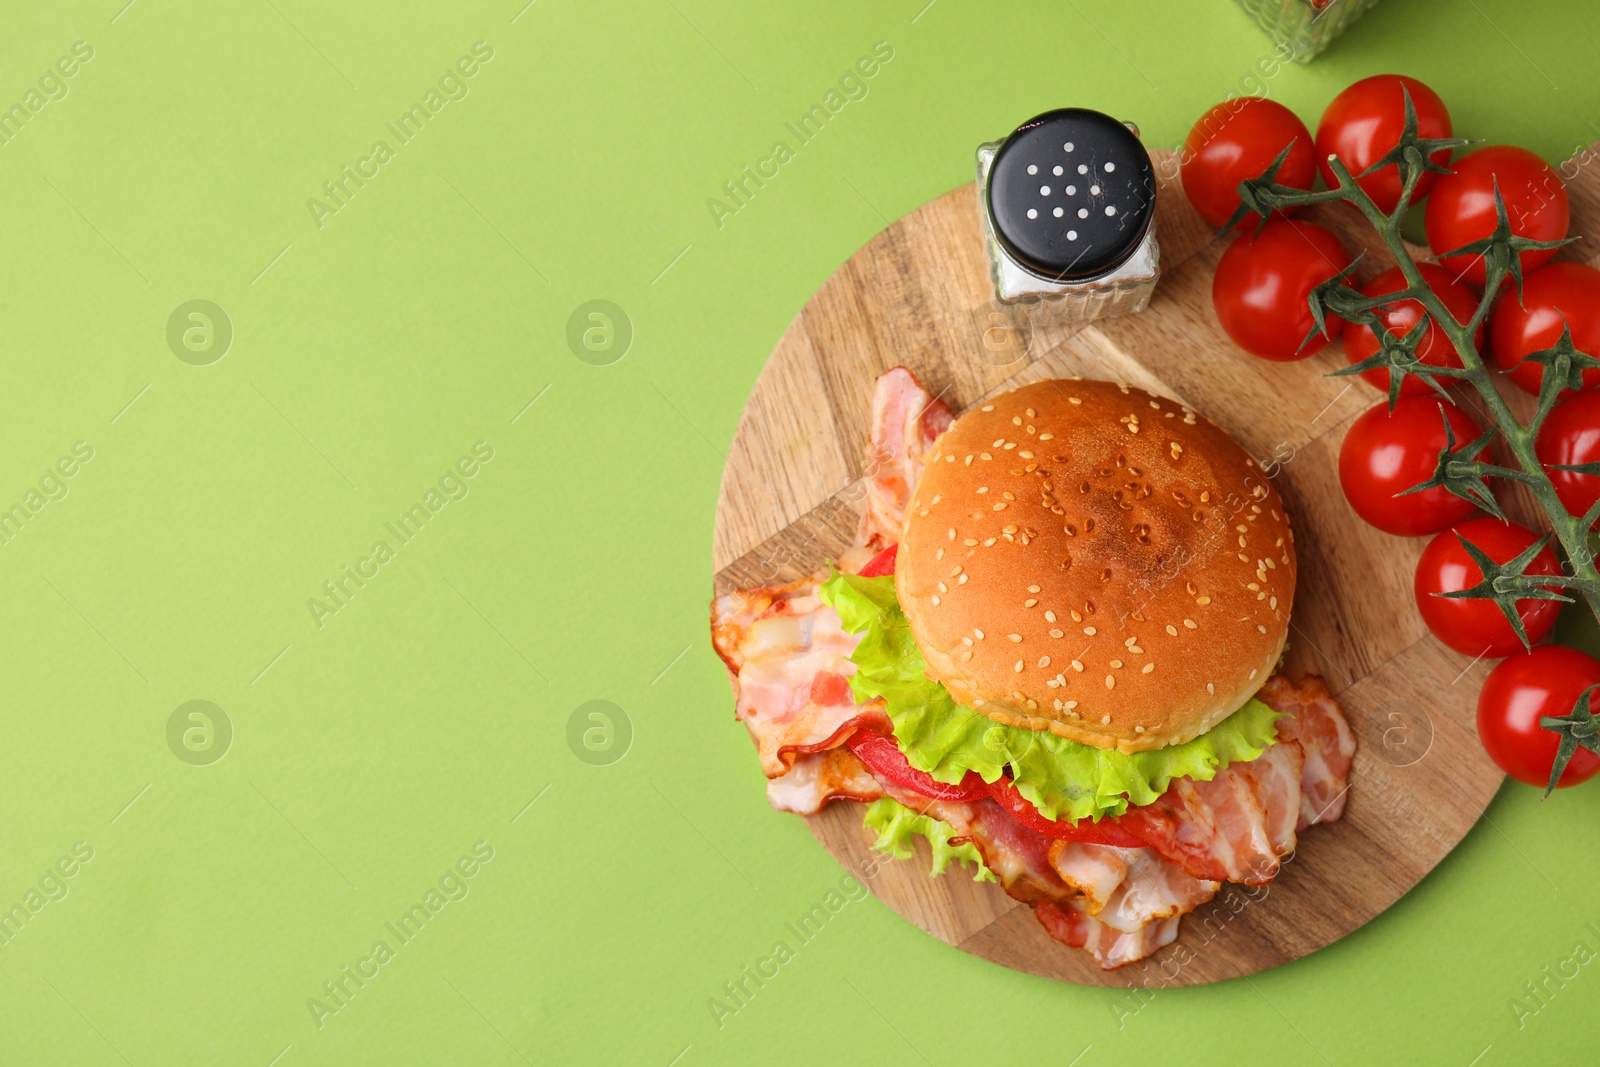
(881, 564)
(884, 758)
(1105, 832)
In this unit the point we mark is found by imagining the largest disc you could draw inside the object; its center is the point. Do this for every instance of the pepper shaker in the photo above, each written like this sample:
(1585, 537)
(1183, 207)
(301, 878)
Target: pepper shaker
(1068, 210)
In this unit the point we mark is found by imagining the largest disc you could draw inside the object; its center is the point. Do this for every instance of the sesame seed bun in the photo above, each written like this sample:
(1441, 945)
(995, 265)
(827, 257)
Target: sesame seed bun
(1089, 559)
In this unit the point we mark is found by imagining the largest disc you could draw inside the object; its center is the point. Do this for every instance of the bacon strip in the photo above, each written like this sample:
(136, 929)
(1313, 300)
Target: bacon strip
(1313, 719)
(1236, 827)
(1019, 857)
(905, 422)
(818, 777)
(1110, 947)
(789, 657)
(1128, 888)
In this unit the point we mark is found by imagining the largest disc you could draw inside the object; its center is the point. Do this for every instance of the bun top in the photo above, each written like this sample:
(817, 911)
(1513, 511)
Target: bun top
(1089, 559)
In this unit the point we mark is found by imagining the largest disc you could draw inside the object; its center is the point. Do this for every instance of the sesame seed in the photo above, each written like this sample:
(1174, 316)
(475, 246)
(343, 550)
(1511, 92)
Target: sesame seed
(1076, 617)
(1148, 667)
(1047, 437)
(1052, 683)
(1190, 624)
(952, 534)
(1077, 666)
(1138, 729)
(982, 489)
(939, 554)
(987, 407)
(968, 461)
(1202, 601)
(1130, 642)
(1025, 455)
(955, 570)
(1273, 603)
(969, 541)
(1018, 667)
(990, 542)
(1033, 589)
(1008, 529)
(1089, 630)
(1057, 633)
(965, 656)
(1002, 506)
(998, 443)
(1050, 616)
(1016, 420)
(1111, 682)
(961, 580)
(1030, 602)
(1069, 705)
(967, 641)
(1013, 637)
(984, 455)
(1262, 629)
(943, 588)
(1116, 664)
(1136, 650)
(1210, 688)
(1010, 445)
(1253, 672)
(936, 598)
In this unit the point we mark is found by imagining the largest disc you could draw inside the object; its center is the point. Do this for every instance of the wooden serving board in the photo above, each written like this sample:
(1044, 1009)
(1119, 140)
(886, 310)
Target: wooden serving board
(918, 295)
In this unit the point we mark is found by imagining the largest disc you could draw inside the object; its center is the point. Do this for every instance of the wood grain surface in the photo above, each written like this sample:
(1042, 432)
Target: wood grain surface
(917, 294)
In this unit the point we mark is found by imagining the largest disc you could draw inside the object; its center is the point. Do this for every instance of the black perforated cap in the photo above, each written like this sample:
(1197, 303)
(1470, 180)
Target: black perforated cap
(1071, 193)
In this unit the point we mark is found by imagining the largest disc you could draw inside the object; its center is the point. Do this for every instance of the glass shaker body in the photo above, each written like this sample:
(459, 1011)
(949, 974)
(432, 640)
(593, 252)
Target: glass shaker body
(1303, 28)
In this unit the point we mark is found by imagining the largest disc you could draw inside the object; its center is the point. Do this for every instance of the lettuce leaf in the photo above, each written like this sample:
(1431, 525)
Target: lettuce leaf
(896, 825)
(1062, 778)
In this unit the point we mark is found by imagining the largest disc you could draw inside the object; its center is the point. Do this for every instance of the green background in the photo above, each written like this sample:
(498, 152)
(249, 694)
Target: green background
(372, 352)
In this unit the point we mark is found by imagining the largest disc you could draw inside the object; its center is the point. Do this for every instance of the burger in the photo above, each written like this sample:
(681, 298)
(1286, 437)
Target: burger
(1052, 653)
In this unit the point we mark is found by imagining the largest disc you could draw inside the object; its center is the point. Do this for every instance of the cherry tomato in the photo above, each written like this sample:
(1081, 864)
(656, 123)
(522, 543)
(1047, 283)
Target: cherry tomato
(1477, 627)
(881, 564)
(1554, 294)
(1104, 832)
(1436, 350)
(1520, 690)
(1239, 139)
(1461, 209)
(1385, 453)
(884, 759)
(1571, 434)
(1262, 283)
(1365, 122)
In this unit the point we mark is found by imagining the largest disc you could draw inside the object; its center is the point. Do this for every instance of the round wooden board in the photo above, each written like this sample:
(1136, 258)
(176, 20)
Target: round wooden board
(917, 295)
